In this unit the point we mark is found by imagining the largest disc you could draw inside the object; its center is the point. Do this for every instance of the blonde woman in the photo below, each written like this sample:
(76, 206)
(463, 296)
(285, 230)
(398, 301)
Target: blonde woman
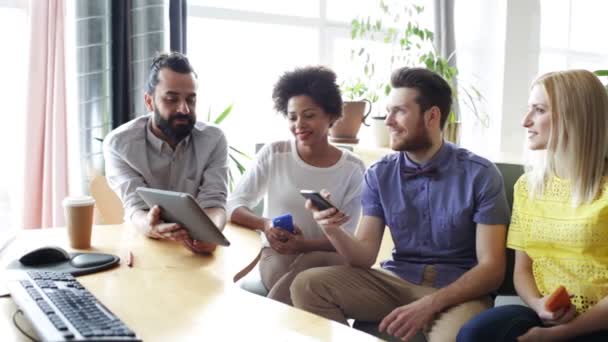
(559, 227)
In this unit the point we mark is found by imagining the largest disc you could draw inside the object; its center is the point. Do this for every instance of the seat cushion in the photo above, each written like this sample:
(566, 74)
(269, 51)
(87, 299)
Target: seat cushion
(252, 282)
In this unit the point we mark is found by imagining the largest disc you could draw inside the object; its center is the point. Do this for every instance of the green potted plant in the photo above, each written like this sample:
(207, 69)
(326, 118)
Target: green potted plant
(355, 110)
(357, 88)
(235, 155)
(404, 42)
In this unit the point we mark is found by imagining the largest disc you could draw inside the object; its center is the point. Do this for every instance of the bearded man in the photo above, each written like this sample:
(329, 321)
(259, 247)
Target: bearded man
(446, 210)
(169, 150)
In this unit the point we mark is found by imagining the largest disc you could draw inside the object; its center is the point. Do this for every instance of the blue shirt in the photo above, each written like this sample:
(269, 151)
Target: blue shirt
(433, 215)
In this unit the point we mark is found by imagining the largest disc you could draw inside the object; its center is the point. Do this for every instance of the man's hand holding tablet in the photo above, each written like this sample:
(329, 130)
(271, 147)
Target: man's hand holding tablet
(184, 220)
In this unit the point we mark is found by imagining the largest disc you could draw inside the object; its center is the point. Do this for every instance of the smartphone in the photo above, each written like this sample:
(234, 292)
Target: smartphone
(559, 299)
(315, 197)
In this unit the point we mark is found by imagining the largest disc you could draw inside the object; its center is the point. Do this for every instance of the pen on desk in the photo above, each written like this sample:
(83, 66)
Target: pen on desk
(130, 259)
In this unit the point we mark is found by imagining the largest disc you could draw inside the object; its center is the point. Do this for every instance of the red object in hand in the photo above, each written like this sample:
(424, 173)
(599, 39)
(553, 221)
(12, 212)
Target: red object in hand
(559, 299)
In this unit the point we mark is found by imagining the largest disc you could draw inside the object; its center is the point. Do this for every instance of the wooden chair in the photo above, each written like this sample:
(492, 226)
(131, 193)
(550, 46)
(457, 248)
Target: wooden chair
(108, 207)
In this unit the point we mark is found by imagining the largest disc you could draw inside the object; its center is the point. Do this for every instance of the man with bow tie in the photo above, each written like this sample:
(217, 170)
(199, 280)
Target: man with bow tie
(447, 212)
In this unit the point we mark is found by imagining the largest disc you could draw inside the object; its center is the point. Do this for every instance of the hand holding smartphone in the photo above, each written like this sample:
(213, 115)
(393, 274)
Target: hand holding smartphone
(319, 201)
(559, 299)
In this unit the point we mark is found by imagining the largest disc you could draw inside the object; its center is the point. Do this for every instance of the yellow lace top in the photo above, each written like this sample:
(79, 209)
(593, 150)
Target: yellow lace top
(568, 245)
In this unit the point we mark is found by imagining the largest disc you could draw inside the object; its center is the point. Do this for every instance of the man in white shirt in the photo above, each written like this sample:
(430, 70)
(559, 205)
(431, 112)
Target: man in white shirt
(168, 149)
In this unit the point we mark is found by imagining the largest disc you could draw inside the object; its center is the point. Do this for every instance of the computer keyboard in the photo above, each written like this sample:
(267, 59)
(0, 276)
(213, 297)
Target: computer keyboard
(60, 309)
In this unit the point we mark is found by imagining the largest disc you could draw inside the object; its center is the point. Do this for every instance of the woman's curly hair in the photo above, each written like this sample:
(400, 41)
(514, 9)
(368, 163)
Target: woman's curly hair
(318, 82)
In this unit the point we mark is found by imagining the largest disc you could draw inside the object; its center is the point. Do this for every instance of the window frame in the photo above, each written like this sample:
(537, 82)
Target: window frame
(570, 54)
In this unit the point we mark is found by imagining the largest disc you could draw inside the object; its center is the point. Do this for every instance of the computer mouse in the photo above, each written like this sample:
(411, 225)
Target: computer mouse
(44, 256)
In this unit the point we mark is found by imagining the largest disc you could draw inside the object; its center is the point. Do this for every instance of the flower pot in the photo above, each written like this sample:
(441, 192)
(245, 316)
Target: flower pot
(380, 131)
(353, 114)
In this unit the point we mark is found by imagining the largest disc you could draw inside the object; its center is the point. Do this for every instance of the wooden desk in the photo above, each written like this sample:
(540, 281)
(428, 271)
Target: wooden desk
(172, 295)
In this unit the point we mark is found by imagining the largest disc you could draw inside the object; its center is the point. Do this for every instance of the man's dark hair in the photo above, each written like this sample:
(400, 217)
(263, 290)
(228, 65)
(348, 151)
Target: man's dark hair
(173, 61)
(433, 90)
(318, 82)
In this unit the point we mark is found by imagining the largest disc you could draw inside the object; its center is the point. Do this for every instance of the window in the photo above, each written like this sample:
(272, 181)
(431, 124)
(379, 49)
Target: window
(280, 7)
(572, 36)
(91, 115)
(14, 23)
(505, 45)
(479, 30)
(240, 66)
(240, 48)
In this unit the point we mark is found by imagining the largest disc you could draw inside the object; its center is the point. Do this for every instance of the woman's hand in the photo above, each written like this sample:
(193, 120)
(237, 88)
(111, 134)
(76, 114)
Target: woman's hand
(292, 245)
(284, 242)
(558, 317)
(274, 233)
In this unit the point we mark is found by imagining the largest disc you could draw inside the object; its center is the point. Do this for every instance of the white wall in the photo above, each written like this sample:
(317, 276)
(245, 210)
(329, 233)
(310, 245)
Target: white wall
(497, 48)
(480, 44)
(522, 48)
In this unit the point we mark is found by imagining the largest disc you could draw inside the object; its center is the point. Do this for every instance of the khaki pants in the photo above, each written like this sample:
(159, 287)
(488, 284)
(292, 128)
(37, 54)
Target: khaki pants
(342, 292)
(278, 270)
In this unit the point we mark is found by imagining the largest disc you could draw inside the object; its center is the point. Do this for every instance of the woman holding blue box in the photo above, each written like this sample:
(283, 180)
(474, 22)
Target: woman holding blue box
(310, 100)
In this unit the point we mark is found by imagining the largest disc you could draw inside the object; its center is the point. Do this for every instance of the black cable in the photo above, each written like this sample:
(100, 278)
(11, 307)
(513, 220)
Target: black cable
(5, 295)
(19, 328)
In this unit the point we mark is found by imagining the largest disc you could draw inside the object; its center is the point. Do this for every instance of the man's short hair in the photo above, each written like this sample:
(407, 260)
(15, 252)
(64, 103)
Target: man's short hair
(173, 61)
(318, 82)
(433, 90)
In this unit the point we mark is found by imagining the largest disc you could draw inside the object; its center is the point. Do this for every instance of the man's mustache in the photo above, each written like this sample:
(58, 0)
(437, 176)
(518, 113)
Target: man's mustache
(181, 116)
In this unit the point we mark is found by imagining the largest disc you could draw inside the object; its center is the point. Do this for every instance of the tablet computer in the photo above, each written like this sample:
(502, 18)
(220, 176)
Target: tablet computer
(183, 209)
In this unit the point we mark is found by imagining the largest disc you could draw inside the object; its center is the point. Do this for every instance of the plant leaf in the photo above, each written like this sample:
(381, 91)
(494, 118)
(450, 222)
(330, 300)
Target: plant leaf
(239, 152)
(223, 115)
(237, 163)
(601, 72)
(231, 180)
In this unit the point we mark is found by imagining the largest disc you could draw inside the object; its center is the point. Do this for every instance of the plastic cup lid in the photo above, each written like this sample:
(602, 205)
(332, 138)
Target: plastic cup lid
(78, 201)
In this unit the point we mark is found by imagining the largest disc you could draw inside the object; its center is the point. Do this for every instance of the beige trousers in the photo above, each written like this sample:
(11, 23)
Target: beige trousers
(278, 270)
(342, 292)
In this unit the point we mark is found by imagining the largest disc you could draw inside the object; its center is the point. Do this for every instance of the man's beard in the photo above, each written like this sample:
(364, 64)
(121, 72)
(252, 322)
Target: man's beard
(420, 141)
(176, 133)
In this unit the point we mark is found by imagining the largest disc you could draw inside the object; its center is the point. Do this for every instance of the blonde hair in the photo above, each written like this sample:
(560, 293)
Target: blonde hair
(578, 142)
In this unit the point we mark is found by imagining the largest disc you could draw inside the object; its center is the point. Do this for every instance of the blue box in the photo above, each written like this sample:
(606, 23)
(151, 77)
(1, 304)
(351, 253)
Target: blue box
(284, 222)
